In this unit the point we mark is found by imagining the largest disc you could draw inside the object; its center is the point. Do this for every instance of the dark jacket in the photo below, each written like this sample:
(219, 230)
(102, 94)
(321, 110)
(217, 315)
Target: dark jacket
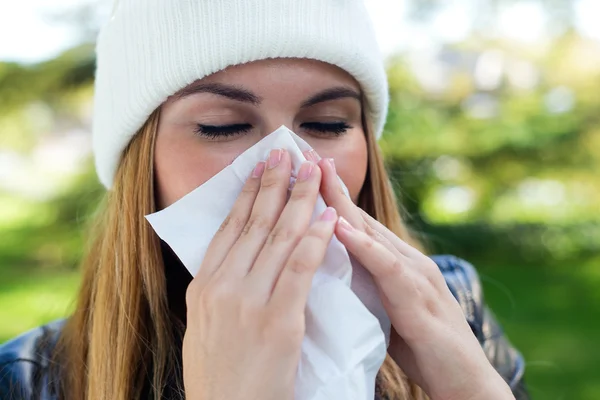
(24, 360)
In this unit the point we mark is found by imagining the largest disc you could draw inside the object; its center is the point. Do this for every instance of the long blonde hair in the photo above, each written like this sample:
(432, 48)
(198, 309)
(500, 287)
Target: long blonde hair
(123, 336)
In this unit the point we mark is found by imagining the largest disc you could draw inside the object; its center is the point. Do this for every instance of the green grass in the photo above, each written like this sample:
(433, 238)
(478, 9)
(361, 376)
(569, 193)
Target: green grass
(549, 313)
(31, 297)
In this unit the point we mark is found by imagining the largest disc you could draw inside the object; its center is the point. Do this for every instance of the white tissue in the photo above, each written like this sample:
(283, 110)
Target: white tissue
(347, 329)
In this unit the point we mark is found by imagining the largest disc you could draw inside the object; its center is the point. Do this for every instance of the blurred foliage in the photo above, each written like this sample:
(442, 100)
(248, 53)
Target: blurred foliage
(35, 97)
(501, 161)
(47, 81)
(49, 233)
(493, 147)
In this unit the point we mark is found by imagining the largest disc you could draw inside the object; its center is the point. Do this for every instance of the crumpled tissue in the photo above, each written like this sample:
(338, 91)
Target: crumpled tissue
(347, 329)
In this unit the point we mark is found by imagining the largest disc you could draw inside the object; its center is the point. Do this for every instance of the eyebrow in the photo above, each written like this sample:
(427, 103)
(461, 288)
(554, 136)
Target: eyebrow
(229, 91)
(334, 93)
(246, 96)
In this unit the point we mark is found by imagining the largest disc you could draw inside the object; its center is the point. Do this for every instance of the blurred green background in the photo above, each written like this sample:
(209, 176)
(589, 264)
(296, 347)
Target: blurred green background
(493, 142)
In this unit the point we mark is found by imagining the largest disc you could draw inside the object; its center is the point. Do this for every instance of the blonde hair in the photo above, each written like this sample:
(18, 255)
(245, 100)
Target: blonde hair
(122, 335)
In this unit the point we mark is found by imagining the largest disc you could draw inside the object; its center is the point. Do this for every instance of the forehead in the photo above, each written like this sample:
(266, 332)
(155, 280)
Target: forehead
(296, 76)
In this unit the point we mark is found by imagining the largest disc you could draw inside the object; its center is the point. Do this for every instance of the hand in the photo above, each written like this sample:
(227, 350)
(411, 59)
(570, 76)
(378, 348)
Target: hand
(245, 308)
(431, 340)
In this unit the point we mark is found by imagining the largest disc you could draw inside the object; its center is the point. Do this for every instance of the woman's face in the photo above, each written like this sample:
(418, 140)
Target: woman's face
(205, 126)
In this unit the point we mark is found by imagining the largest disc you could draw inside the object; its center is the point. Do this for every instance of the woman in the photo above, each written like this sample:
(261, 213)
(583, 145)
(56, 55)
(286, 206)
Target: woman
(182, 88)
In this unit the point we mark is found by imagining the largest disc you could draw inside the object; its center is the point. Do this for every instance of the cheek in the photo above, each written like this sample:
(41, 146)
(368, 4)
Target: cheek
(181, 165)
(353, 173)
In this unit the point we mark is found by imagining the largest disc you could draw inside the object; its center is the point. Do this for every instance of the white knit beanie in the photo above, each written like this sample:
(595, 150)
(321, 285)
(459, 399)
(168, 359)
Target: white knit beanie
(150, 49)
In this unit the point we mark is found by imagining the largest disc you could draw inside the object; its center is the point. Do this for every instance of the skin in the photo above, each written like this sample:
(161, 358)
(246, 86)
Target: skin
(258, 269)
(184, 159)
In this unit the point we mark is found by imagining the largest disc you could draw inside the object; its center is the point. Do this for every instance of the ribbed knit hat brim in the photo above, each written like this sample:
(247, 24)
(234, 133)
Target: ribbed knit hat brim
(150, 49)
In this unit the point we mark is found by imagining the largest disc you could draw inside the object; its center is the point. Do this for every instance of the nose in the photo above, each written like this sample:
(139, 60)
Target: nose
(275, 120)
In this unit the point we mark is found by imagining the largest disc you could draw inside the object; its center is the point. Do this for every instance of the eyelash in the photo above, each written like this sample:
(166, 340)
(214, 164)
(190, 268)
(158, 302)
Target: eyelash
(327, 128)
(222, 131)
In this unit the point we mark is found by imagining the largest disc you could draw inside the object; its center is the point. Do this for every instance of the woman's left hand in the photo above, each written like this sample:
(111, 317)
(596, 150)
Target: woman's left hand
(431, 340)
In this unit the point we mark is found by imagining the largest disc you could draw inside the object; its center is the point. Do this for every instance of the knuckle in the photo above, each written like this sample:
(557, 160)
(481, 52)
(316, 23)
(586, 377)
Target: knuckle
(257, 224)
(424, 294)
(378, 237)
(299, 266)
(374, 233)
(249, 190)
(283, 234)
(299, 195)
(370, 231)
(316, 234)
(432, 306)
(369, 243)
(270, 181)
(233, 222)
(250, 187)
(422, 290)
(394, 267)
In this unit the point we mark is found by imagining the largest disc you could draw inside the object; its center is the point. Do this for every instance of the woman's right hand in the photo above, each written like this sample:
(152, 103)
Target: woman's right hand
(245, 308)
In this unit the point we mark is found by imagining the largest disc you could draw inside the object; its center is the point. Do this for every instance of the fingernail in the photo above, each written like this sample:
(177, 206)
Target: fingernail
(258, 170)
(305, 171)
(275, 158)
(345, 224)
(313, 156)
(329, 214)
(332, 163)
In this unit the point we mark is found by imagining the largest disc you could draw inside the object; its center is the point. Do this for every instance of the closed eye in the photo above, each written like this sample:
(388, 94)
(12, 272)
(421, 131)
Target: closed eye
(326, 128)
(317, 128)
(217, 131)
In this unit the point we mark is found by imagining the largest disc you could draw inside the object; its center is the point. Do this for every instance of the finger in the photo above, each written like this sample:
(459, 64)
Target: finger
(398, 244)
(289, 230)
(230, 229)
(311, 155)
(291, 289)
(334, 194)
(373, 255)
(401, 285)
(269, 203)
(400, 248)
